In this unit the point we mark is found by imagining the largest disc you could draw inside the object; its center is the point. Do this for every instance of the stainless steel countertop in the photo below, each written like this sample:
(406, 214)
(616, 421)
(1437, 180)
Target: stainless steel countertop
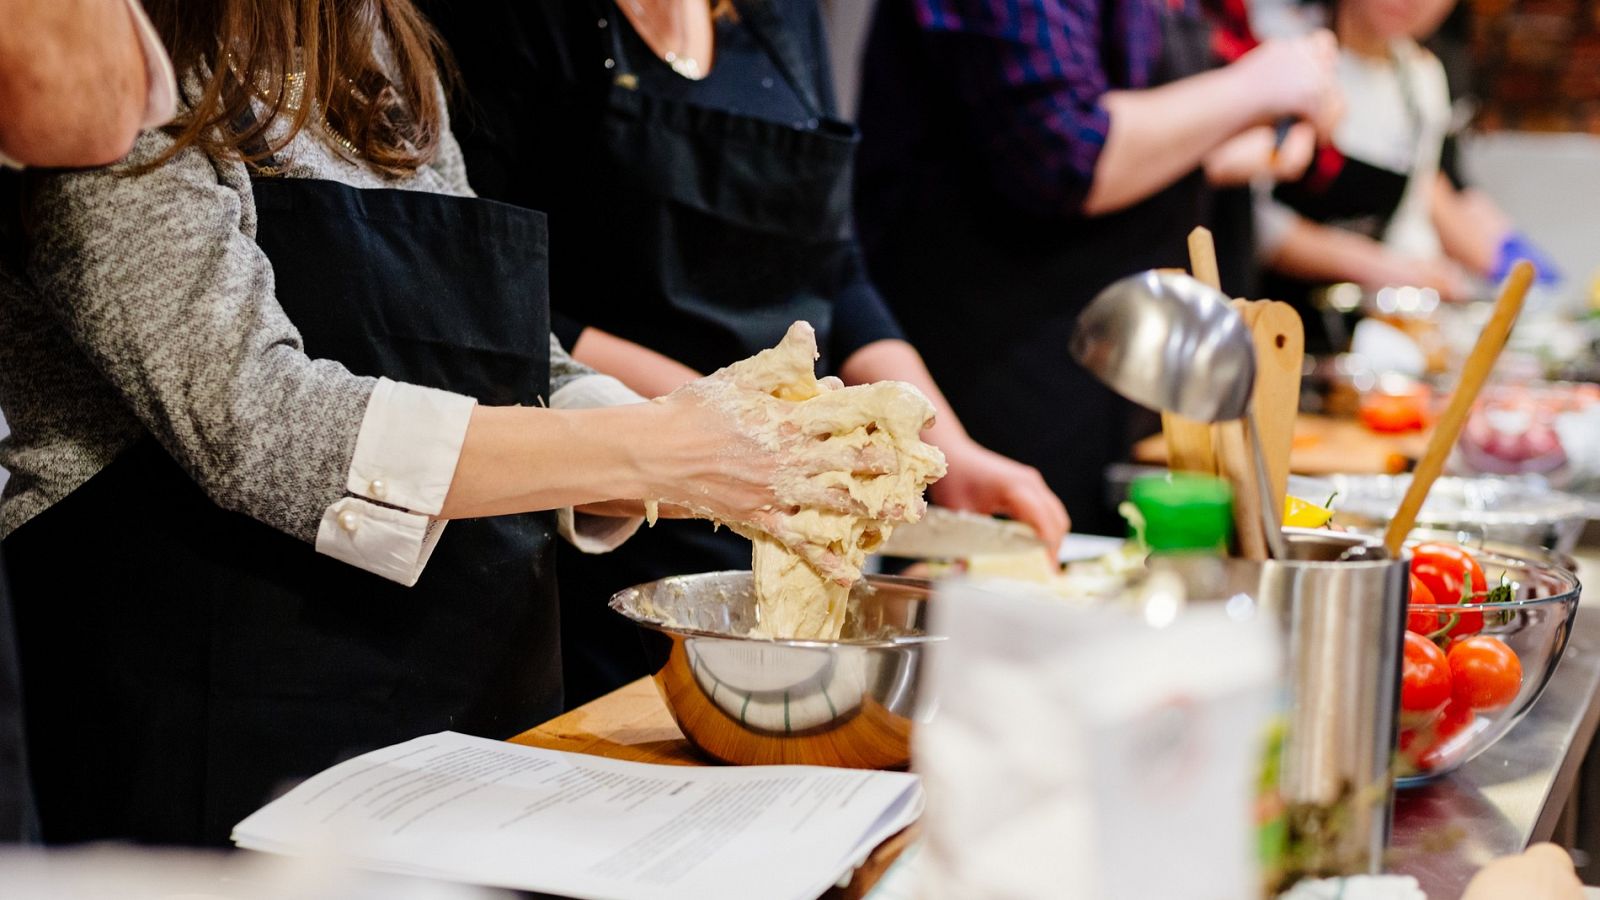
(1513, 794)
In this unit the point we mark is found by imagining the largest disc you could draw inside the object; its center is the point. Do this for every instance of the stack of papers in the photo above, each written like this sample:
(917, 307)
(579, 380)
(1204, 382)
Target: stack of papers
(487, 812)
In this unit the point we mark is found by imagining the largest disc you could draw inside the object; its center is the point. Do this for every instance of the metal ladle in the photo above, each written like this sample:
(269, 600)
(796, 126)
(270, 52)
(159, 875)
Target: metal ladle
(1169, 342)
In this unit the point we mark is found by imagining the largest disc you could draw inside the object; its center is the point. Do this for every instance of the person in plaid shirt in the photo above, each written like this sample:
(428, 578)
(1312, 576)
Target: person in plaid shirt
(1020, 155)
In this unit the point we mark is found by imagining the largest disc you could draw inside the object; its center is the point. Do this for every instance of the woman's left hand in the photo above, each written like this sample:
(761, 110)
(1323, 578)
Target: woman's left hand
(982, 481)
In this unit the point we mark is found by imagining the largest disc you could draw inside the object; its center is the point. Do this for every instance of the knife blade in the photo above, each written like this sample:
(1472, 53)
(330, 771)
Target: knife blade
(948, 534)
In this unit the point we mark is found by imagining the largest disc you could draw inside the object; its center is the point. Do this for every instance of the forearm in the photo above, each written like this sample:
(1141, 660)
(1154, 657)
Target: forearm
(647, 372)
(1315, 252)
(520, 459)
(899, 361)
(1160, 134)
(73, 82)
(1471, 227)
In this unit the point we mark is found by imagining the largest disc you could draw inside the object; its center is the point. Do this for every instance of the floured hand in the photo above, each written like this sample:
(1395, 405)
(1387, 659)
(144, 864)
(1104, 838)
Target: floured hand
(813, 473)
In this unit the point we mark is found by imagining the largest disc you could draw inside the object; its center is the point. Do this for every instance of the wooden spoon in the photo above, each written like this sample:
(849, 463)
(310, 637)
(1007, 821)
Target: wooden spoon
(1190, 446)
(1490, 342)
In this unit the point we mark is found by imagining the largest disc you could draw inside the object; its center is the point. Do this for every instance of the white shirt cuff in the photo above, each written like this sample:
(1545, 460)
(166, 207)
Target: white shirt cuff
(161, 103)
(593, 392)
(408, 446)
(594, 534)
(405, 458)
(392, 543)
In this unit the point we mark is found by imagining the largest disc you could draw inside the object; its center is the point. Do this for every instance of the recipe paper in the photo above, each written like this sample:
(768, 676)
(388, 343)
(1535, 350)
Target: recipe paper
(488, 812)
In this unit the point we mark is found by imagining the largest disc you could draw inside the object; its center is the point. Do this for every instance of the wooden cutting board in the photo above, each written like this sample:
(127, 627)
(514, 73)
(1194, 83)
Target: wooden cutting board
(1326, 446)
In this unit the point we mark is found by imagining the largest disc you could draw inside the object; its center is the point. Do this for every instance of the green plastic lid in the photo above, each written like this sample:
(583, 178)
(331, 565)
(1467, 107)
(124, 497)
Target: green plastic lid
(1184, 512)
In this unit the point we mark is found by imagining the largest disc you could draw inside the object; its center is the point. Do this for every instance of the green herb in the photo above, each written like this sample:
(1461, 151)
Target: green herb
(1504, 592)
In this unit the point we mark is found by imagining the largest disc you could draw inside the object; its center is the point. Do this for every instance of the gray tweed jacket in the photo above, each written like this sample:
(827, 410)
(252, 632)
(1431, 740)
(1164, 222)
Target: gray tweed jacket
(147, 308)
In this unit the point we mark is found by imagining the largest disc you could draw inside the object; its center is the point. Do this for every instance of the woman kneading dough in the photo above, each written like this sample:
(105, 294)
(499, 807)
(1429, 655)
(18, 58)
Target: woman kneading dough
(255, 371)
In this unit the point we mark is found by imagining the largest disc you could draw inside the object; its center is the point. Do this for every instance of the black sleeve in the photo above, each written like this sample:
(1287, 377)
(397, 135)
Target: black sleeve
(860, 315)
(566, 329)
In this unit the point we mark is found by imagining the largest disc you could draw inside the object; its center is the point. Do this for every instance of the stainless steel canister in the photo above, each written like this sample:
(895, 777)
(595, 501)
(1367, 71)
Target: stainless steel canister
(1343, 621)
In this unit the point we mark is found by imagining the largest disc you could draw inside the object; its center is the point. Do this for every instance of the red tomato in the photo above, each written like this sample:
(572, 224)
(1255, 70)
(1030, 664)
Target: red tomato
(1426, 744)
(1391, 412)
(1485, 673)
(1424, 677)
(1443, 569)
(1421, 622)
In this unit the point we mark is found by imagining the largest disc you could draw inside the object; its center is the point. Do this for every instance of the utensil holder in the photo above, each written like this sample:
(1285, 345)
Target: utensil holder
(1343, 622)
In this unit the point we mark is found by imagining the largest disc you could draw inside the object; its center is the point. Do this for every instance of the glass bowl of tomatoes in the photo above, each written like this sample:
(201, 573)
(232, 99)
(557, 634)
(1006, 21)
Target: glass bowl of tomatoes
(1484, 632)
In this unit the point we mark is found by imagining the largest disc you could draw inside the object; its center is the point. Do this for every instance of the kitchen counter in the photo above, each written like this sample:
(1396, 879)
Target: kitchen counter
(1513, 795)
(1516, 792)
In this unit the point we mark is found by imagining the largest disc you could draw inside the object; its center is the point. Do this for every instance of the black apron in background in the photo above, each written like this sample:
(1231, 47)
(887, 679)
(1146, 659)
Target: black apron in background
(1350, 194)
(1358, 197)
(181, 663)
(990, 295)
(735, 227)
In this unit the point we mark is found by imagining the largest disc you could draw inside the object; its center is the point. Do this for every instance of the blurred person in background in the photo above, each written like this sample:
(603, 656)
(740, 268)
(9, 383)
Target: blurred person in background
(698, 182)
(1376, 207)
(1018, 158)
(78, 80)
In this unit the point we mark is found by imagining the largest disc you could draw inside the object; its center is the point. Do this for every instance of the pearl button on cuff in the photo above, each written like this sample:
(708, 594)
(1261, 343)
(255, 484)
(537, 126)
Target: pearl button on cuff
(349, 521)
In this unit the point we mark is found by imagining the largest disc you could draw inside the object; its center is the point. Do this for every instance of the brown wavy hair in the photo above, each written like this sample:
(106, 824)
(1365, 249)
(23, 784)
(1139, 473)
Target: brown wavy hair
(386, 113)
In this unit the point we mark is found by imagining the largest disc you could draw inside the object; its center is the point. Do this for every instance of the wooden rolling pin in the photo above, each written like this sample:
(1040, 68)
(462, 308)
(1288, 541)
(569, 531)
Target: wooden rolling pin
(1445, 434)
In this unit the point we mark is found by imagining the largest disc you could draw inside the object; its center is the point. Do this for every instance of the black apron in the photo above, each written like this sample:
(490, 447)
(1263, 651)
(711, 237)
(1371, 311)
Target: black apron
(990, 297)
(181, 663)
(17, 825)
(1350, 194)
(736, 227)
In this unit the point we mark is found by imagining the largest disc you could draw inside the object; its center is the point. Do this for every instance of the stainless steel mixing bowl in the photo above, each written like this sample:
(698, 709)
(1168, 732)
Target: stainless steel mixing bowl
(752, 701)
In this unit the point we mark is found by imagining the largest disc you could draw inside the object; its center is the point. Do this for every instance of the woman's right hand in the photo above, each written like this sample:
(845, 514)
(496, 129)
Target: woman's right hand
(734, 454)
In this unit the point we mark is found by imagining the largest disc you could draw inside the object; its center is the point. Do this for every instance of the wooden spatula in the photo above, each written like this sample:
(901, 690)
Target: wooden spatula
(1280, 340)
(1448, 429)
